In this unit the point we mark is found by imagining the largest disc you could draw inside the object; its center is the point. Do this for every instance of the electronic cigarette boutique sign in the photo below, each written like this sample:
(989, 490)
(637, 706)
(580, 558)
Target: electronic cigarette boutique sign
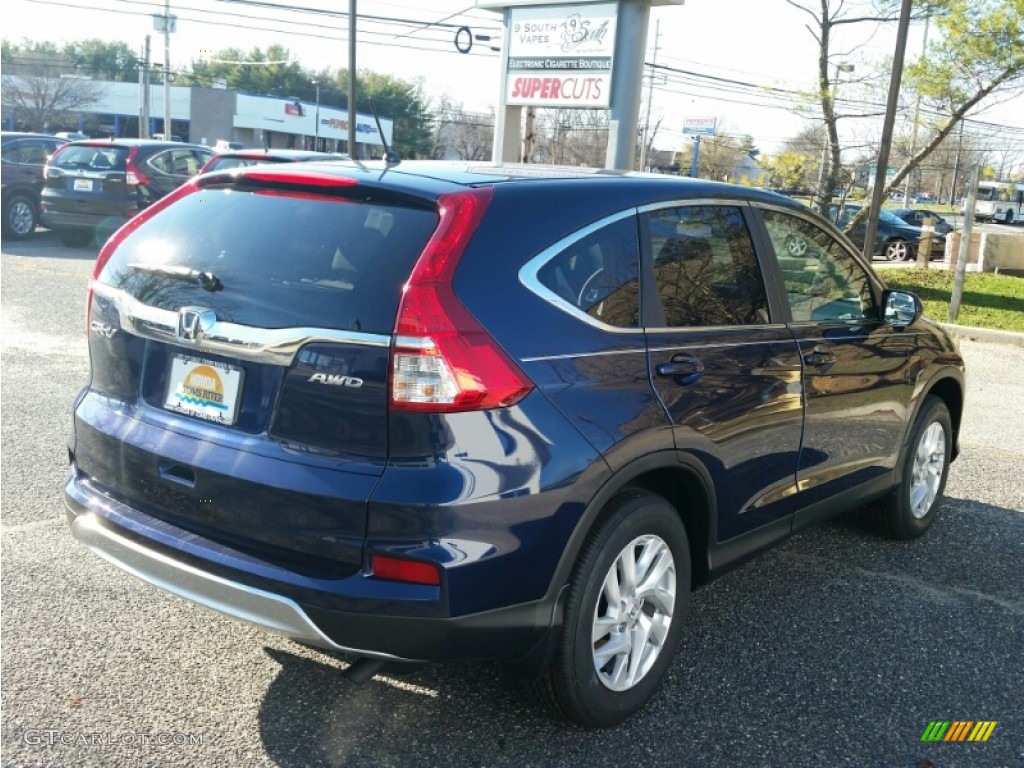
(560, 56)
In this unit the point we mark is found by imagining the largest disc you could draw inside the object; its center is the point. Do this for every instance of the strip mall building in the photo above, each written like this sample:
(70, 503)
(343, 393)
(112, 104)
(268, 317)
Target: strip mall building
(207, 115)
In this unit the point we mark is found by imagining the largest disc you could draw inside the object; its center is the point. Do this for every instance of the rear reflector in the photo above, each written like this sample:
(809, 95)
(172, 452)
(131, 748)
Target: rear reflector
(410, 571)
(443, 359)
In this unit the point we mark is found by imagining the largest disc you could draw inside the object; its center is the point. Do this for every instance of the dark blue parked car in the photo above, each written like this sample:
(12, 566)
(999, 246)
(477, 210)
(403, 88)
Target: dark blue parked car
(433, 412)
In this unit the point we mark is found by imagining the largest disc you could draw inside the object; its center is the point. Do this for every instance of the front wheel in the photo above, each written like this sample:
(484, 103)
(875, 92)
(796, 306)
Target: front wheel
(897, 250)
(912, 506)
(624, 613)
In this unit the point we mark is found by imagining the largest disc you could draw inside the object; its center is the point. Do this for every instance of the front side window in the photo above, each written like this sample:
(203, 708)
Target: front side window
(705, 267)
(823, 280)
(599, 274)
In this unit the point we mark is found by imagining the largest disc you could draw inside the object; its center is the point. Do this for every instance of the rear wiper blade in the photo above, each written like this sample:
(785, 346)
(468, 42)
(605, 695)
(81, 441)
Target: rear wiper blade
(205, 280)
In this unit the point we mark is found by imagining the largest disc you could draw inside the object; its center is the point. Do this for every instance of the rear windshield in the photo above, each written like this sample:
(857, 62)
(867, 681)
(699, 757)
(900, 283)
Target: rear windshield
(90, 158)
(284, 260)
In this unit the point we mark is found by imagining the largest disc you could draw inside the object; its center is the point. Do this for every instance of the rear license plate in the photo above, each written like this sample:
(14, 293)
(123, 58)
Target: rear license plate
(204, 389)
(83, 185)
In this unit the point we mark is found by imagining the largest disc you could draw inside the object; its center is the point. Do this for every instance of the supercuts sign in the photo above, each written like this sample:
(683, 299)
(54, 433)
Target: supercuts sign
(560, 56)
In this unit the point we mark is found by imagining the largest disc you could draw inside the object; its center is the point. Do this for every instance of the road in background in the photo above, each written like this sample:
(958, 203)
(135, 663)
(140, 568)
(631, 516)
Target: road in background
(836, 649)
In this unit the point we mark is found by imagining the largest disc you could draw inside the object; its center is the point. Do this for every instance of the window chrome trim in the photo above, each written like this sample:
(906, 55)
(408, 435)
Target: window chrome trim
(578, 355)
(528, 273)
(689, 203)
(273, 346)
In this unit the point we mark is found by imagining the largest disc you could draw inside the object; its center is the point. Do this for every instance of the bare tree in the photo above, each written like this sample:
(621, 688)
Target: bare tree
(572, 136)
(977, 54)
(40, 100)
(827, 17)
(460, 134)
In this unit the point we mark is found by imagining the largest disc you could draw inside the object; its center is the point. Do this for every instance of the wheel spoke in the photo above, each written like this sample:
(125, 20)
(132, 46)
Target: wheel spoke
(618, 645)
(603, 626)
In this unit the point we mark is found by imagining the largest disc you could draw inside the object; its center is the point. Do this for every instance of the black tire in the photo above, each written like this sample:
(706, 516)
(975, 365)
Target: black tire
(634, 522)
(897, 250)
(75, 238)
(911, 507)
(20, 217)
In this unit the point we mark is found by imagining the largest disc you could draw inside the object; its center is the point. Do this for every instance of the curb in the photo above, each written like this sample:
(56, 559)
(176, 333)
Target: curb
(1012, 338)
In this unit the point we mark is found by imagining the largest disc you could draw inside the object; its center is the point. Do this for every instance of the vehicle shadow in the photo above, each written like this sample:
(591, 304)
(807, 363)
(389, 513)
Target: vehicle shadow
(45, 242)
(835, 627)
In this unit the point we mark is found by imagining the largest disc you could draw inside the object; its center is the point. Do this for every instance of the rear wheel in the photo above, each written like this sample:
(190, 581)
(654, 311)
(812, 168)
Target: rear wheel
(911, 507)
(624, 613)
(19, 217)
(75, 238)
(897, 250)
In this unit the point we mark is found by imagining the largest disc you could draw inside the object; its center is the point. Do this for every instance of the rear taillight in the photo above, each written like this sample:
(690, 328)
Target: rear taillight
(443, 360)
(119, 236)
(134, 177)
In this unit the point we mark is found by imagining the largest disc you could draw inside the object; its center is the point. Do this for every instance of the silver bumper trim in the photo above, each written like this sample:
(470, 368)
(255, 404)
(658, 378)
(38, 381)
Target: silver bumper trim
(277, 614)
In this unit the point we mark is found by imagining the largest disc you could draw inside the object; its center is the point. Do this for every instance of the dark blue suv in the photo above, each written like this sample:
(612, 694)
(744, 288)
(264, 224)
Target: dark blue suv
(430, 412)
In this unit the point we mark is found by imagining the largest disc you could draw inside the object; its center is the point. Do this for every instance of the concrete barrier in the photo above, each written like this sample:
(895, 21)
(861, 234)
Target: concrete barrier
(989, 251)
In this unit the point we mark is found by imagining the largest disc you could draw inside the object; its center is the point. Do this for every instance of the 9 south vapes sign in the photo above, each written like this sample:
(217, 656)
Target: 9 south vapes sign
(560, 56)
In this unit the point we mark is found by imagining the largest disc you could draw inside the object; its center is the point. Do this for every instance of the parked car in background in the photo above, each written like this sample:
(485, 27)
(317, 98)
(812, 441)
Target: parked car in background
(223, 145)
(425, 411)
(22, 158)
(241, 158)
(93, 187)
(71, 135)
(917, 216)
(896, 240)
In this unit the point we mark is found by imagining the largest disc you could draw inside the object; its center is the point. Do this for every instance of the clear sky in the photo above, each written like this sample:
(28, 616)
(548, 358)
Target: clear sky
(751, 46)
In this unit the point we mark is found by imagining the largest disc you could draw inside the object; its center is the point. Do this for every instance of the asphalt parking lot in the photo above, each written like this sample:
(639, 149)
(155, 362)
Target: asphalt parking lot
(837, 649)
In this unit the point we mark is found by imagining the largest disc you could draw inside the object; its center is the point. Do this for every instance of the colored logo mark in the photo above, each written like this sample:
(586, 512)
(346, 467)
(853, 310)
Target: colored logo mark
(959, 730)
(203, 387)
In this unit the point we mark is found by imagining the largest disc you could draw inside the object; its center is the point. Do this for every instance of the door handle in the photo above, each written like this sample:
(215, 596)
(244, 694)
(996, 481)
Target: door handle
(820, 356)
(685, 370)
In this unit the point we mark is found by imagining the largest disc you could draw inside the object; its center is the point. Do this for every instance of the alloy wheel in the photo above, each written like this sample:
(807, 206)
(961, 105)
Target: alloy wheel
(929, 462)
(634, 612)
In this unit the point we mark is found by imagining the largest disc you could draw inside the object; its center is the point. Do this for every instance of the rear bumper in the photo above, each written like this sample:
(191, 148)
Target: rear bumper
(242, 587)
(86, 221)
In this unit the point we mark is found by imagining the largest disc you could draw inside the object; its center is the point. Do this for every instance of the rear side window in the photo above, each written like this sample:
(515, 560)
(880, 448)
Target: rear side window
(284, 260)
(178, 162)
(705, 267)
(28, 151)
(90, 158)
(599, 274)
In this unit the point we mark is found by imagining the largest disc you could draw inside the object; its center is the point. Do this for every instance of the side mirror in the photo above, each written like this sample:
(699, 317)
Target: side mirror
(901, 307)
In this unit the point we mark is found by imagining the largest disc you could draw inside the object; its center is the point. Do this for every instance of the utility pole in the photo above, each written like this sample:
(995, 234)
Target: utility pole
(650, 96)
(890, 118)
(167, 70)
(917, 110)
(316, 130)
(352, 79)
